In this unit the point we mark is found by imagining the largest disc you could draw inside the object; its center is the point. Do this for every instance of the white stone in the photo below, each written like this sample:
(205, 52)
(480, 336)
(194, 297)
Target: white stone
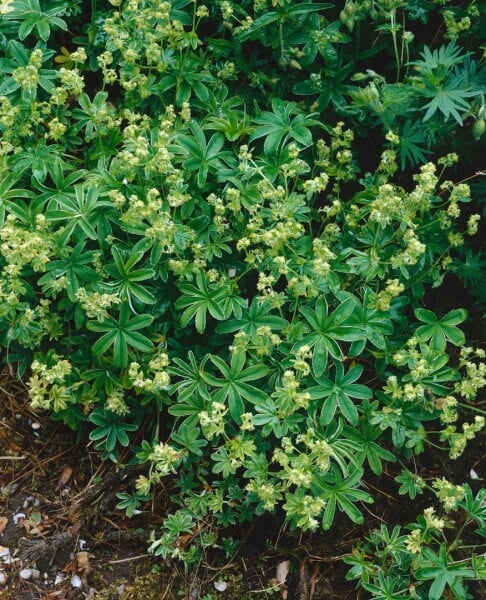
(17, 517)
(221, 586)
(4, 554)
(25, 573)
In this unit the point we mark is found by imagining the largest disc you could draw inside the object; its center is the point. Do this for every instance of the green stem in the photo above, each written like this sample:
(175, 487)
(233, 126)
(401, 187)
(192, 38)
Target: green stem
(393, 28)
(473, 408)
(459, 533)
(281, 38)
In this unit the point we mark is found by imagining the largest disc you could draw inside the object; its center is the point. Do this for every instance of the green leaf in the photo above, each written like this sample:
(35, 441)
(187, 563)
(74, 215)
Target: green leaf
(411, 484)
(190, 438)
(328, 329)
(121, 334)
(440, 331)
(285, 123)
(339, 393)
(341, 493)
(232, 386)
(201, 300)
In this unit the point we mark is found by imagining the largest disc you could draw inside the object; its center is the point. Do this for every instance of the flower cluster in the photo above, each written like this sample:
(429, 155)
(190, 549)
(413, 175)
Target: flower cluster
(159, 378)
(458, 441)
(288, 397)
(96, 304)
(432, 521)
(213, 422)
(448, 493)
(21, 246)
(164, 459)
(475, 373)
(393, 289)
(47, 384)
(115, 401)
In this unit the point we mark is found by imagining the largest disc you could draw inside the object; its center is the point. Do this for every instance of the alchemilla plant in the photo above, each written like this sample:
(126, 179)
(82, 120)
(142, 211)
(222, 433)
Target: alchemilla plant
(201, 262)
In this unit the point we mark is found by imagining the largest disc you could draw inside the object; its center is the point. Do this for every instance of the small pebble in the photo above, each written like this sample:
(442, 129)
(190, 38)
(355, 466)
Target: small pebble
(221, 586)
(3, 579)
(35, 426)
(17, 517)
(76, 581)
(25, 573)
(59, 579)
(5, 555)
(473, 474)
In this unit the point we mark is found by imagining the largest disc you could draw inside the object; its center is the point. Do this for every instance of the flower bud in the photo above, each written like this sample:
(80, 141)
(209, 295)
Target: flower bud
(478, 129)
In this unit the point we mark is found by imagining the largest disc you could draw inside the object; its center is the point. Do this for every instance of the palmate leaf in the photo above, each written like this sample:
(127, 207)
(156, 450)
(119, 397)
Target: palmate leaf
(74, 264)
(62, 184)
(189, 437)
(255, 316)
(330, 86)
(471, 267)
(327, 330)
(443, 570)
(199, 155)
(412, 145)
(475, 506)
(110, 430)
(443, 58)
(41, 159)
(448, 99)
(366, 442)
(81, 214)
(285, 123)
(339, 393)
(127, 278)
(339, 492)
(441, 331)
(281, 14)
(199, 300)
(122, 334)
(411, 484)
(192, 392)
(32, 17)
(189, 379)
(373, 324)
(233, 385)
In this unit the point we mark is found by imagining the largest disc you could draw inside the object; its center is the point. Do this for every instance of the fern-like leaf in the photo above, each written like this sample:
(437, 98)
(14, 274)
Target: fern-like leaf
(412, 144)
(448, 98)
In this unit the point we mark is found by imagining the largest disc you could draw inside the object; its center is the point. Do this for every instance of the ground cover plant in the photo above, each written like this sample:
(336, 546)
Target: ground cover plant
(228, 236)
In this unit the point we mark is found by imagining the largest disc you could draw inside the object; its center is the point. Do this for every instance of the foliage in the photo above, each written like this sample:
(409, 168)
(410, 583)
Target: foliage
(427, 562)
(201, 264)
